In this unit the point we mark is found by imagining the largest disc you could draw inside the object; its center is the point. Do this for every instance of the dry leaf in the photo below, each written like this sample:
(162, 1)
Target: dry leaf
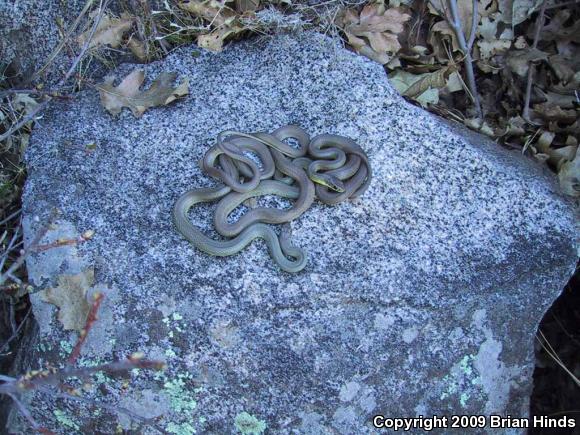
(434, 80)
(374, 32)
(569, 176)
(247, 5)
(464, 9)
(550, 112)
(70, 296)
(556, 29)
(418, 86)
(223, 20)
(519, 60)
(127, 94)
(110, 31)
(138, 49)
(214, 41)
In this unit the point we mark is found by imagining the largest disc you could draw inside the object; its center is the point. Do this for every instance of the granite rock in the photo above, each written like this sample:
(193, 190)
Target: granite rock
(420, 298)
(29, 32)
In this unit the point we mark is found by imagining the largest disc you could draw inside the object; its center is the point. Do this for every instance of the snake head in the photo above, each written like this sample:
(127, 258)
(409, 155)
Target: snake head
(331, 182)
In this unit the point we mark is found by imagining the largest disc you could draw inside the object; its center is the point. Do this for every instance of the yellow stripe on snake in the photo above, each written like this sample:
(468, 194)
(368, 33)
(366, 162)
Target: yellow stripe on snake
(329, 167)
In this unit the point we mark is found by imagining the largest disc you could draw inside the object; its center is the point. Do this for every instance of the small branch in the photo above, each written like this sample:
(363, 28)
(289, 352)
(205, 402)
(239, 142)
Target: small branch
(52, 376)
(87, 235)
(74, 26)
(91, 319)
(455, 24)
(13, 336)
(474, 22)
(28, 415)
(539, 25)
(115, 409)
(12, 216)
(49, 93)
(561, 5)
(16, 265)
(24, 120)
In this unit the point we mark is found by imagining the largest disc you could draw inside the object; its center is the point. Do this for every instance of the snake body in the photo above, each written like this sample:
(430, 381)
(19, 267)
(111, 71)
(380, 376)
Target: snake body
(279, 248)
(330, 167)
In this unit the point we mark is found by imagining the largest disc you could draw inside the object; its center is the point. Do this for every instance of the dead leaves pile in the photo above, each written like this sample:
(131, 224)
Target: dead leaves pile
(421, 53)
(373, 32)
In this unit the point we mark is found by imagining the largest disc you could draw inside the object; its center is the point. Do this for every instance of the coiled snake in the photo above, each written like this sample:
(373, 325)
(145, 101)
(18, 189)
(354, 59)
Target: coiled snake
(330, 167)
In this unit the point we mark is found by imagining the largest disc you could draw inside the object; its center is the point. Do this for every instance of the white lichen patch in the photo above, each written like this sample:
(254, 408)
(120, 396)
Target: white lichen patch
(495, 377)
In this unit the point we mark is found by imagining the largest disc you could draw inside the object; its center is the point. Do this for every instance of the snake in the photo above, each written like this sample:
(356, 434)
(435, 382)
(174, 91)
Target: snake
(330, 167)
(284, 165)
(279, 247)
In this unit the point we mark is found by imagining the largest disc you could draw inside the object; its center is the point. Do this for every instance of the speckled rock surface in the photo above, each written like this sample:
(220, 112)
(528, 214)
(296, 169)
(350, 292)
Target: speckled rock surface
(29, 32)
(420, 298)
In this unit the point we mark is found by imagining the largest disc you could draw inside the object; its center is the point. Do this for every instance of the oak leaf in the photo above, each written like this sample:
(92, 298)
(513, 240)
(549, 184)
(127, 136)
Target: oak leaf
(373, 33)
(109, 31)
(127, 93)
(222, 18)
(70, 296)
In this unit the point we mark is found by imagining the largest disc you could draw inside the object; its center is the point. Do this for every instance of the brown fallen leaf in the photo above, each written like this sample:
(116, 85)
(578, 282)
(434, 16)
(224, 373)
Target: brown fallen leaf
(247, 5)
(373, 32)
(223, 19)
(110, 31)
(519, 60)
(434, 80)
(70, 296)
(464, 10)
(550, 112)
(138, 49)
(569, 176)
(127, 93)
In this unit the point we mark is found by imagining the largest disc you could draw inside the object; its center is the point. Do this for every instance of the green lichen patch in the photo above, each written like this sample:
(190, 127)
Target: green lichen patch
(180, 429)
(65, 420)
(247, 424)
(182, 398)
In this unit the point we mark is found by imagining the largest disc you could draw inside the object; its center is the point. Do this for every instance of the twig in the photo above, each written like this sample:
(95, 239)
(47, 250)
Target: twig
(455, 24)
(52, 376)
(561, 5)
(539, 25)
(10, 247)
(27, 251)
(474, 21)
(115, 409)
(13, 215)
(40, 92)
(87, 235)
(53, 55)
(91, 319)
(162, 43)
(27, 414)
(15, 334)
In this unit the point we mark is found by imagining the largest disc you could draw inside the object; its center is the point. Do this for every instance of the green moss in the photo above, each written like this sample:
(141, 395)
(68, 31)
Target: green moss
(247, 424)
